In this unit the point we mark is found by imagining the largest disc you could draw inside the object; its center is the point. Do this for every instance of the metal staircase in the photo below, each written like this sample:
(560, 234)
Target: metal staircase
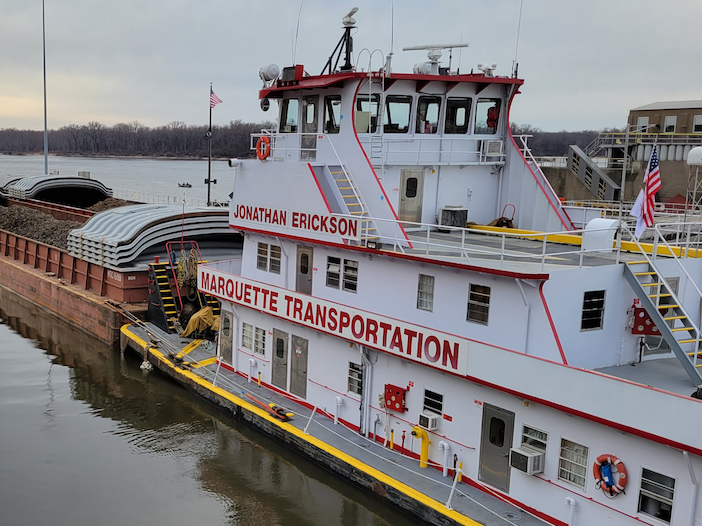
(161, 297)
(668, 314)
(353, 201)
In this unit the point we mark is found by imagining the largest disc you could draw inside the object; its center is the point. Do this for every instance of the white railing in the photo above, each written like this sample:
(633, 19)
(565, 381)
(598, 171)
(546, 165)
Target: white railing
(162, 199)
(425, 150)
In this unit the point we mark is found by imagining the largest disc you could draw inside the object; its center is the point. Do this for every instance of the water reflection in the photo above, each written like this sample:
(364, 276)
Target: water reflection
(102, 442)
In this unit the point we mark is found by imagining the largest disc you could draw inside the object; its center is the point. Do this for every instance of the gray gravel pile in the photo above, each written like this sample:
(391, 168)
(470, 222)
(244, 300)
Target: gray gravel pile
(108, 203)
(36, 225)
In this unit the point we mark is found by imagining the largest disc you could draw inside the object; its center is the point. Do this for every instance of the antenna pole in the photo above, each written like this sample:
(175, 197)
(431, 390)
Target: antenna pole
(297, 31)
(516, 48)
(46, 132)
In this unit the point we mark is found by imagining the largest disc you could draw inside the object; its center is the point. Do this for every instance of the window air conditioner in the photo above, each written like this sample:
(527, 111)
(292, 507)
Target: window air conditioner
(429, 421)
(528, 460)
(453, 215)
(492, 148)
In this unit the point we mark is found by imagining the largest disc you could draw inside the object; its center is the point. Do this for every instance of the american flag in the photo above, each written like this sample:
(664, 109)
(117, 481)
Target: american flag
(214, 99)
(652, 180)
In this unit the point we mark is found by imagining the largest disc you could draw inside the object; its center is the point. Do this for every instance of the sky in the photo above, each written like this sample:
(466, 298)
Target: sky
(585, 63)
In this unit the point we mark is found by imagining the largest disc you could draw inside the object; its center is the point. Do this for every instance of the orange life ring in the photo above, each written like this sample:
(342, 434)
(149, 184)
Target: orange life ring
(596, 471)
(263, 148)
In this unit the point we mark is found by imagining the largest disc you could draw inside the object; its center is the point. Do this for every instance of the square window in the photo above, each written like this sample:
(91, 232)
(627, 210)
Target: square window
(274, 263)
(478, 304)
(669, 125)
(247, 336)
(572, 463)
(355, 378)
(697, 124)
(268, 258)
(656, 495)
(350, 275)
(425, 293)
(333, 272)
(433, 402)
(260, 341)
(593, 310)
(534, 438)
(262, 258)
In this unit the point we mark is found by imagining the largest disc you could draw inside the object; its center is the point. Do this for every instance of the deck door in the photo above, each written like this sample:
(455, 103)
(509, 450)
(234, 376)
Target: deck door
(310, 119)
(298, 369)
(495, 443)
(226, 335)
(303, 281)
(279, 373)
(411, 192)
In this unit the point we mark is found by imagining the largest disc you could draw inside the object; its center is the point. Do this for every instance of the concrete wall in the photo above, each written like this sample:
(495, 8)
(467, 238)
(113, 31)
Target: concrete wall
(566, 185)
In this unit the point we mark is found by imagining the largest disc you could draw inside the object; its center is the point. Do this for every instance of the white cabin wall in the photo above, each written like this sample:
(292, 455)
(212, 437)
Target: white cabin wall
(463, 404)
(613, 344)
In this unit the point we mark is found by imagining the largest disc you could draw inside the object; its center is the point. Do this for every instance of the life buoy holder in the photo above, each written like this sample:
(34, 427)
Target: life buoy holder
(616, 487)
(263, 148)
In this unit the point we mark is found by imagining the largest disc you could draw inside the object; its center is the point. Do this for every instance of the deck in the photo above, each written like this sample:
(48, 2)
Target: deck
(422, 491)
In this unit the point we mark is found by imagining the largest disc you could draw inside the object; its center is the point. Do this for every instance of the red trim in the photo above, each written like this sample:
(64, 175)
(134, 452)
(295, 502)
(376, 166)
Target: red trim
(548, 197)
(593, 500)
(323, 81)
(319, 187)
(408, 257)
(553, 326)
(355, 134)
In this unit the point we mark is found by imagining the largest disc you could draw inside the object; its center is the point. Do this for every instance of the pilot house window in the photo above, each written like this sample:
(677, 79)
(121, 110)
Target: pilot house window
(397, 113)
(487, 116)
(593, 310)
(367, 113)
(288, 116)
(428, 114)
(457, 115)
(332, 113)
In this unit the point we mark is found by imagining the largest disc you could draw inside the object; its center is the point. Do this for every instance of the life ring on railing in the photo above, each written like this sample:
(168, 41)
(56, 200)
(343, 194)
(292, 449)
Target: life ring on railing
(263, 148)
(604, 476)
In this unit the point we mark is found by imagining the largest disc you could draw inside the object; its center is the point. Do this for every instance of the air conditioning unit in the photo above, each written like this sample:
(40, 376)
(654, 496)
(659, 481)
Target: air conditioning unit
(526, 459)
(453, 215)
(492, 148)
(429, 421)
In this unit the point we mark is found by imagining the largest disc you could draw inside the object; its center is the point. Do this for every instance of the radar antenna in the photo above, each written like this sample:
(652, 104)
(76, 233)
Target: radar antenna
(345, 45)
(435, 54)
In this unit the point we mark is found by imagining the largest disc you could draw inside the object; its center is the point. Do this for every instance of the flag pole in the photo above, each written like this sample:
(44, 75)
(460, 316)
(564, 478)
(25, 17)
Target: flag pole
(209, 152)
(46, 133)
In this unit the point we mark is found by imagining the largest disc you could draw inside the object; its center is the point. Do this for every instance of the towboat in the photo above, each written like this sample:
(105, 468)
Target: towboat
(553, 367)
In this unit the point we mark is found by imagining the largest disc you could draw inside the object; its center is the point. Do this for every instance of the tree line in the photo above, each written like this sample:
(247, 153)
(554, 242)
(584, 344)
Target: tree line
(177, 139)
(555, 144)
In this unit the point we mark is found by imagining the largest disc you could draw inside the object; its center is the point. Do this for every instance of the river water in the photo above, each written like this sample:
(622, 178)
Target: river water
(159, 176)
(87, 438)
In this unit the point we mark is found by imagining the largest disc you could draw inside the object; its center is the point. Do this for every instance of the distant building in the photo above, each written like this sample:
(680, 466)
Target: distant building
(683, 116)
(675, 127)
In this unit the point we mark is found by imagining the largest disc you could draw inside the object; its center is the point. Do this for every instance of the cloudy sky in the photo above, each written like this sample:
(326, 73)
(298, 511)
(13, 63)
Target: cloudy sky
(585, 62)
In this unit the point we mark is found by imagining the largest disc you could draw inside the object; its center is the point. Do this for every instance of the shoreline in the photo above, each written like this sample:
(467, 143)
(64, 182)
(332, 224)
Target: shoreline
(110, 156)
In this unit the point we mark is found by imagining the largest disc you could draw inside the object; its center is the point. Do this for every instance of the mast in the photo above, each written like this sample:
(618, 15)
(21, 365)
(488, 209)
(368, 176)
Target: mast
(209, 151)
(46, 132)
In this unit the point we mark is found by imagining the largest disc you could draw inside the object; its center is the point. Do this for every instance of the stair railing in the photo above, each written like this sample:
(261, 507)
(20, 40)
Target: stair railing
(662, 281)
(352, 183)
